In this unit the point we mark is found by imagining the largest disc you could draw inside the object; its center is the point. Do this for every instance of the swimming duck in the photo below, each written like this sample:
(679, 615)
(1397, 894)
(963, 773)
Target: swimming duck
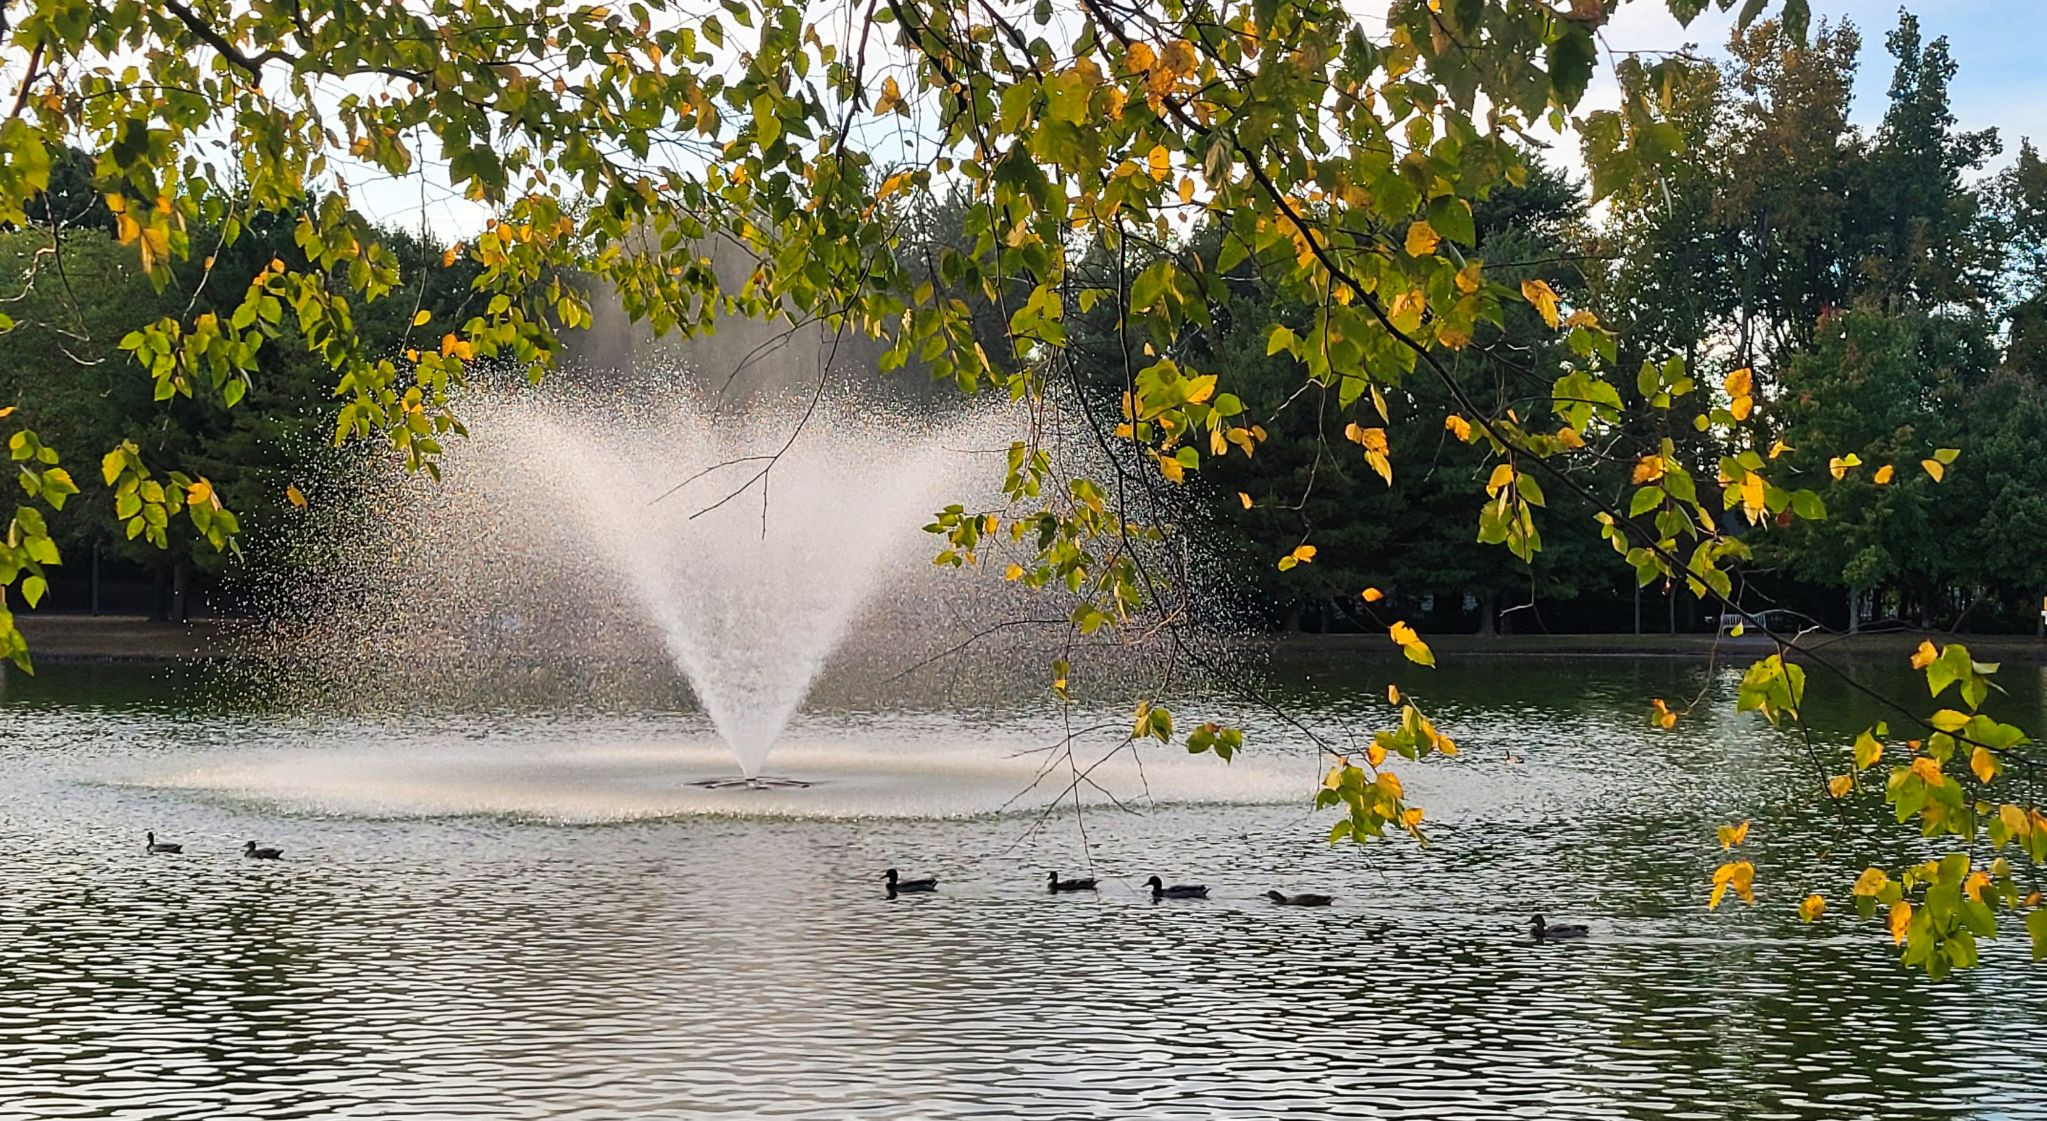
(1304, 899)
(898, 884)
(1058, 885)
(253, 853)
(1159, 890)
(153, 847)
(1542, 931)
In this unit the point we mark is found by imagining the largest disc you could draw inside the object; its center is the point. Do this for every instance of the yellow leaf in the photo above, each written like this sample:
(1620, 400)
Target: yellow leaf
(1740, 383)
(1739, 875)
(1812, 907)
(1900, 920)
(453, 252)
(1422, 239)
(1393, 694)
(1374, 754)
(1754, 499)
(1013, 572)
(1245, 499)
(1372, 595)
(892, 184)
(1159, 162)
(1984, 764)
(1179, 57)
(1458, 427)
(891, 96)
(1928, 771)
(1732, 835)
(8, 411)
(1543, 298)
(1872, 881)
(1581, 318)
(1974, 883)
(1924, 656)
(1663, 716)
(1411, 644)
(1840, 785)
(2014, 819)
(1649, 469)
(1779, 448)
(1186, 189)
(1740, 407)
(1840, 464)
(1883, 475)
(1411, 817)
(1502, 476)
(1468, 279)
(422, 317)
(1568, 437)
(1933, 467)
(1140, 57)
(200, 491)
(1302, 554)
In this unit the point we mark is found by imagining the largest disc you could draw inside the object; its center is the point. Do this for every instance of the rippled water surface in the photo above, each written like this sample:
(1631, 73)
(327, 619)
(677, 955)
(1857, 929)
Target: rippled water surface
(525, 916)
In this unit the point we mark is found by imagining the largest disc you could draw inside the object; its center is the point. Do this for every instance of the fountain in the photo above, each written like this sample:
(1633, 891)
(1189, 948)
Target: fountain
(751, 564)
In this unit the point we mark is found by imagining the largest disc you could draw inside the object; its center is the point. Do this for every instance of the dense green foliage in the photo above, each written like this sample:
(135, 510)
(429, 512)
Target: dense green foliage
(1872, 282)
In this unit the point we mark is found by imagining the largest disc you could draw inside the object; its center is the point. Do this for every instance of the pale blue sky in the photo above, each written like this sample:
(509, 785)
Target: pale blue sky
(1997, 46)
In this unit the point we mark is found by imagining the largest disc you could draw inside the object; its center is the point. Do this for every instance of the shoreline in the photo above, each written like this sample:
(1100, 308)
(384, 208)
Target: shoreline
(1701, 647)
(87, 639)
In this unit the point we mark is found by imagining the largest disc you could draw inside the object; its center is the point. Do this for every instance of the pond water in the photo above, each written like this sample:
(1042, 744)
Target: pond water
(531, 915)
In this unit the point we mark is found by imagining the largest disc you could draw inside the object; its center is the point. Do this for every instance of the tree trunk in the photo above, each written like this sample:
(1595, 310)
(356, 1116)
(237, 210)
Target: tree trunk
(1485, 615)
(1854, 611)
(181, 591)
(162, 599)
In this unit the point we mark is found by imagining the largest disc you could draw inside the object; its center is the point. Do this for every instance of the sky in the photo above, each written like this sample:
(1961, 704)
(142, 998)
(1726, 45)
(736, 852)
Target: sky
(1999, 82)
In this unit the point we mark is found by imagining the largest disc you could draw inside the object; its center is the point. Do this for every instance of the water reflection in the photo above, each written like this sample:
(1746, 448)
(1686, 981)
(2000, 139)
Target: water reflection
(480, 966)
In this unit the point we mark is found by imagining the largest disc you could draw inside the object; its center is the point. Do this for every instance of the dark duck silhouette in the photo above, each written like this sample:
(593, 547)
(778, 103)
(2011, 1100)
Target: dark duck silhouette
(1058, 885)
(1304, 899)
(897, 884)
(251, 852)
(1543, 930)
(153, 846)
(1160, 890)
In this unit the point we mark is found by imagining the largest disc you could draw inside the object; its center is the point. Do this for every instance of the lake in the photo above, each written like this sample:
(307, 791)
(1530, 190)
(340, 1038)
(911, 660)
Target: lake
(530, 914)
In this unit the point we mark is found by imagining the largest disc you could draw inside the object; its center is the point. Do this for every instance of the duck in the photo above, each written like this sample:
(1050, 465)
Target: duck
(1304, 899)
(153, 846)
(1058, 885)
(1544, 931)
(1159, 890)
(897, 884)
(251, 852)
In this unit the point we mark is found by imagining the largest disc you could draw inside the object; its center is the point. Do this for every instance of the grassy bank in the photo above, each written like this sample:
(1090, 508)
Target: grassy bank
(1886, 644)
(118, 638)
(108, 638)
